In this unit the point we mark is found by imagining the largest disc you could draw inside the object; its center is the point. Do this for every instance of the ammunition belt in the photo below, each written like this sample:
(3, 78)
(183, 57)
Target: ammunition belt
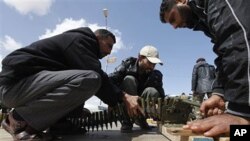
(171, 110)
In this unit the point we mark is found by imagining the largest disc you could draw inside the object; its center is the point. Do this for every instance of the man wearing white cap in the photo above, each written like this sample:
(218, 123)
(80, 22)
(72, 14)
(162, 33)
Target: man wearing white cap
(138, 76)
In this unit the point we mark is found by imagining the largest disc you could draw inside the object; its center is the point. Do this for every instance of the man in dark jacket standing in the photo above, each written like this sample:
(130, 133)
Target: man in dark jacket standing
(203, 77)
(137, 76)
(49, 78)
(227, 23)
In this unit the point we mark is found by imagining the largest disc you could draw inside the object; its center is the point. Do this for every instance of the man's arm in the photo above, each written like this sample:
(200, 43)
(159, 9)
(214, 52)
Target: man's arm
(132, 104)
(109, 93)
(194, 79)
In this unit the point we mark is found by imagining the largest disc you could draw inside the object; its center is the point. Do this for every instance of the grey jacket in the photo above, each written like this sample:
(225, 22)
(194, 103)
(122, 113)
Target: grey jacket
(203, 77)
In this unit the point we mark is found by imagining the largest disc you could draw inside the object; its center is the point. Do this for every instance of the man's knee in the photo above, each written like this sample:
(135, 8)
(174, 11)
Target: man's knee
(150, 92)
(129, 81)
(129, 85)
(7, 101)
(91, 80)
(129, 78)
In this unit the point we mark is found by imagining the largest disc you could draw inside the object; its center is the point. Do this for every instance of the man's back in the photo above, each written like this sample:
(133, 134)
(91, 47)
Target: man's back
(203, 77)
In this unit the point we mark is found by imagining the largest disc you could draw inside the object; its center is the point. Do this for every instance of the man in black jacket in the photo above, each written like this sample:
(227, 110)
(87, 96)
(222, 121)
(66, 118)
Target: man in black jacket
(49, 78)
(202, 80)
(226, 22)
(137, 76)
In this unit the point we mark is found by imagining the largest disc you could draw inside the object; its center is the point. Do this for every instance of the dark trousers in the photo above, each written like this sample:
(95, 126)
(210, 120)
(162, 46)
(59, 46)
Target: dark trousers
(47, 96)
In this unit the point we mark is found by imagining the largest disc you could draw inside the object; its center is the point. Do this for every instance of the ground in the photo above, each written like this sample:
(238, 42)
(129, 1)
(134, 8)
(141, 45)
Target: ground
(106, 135)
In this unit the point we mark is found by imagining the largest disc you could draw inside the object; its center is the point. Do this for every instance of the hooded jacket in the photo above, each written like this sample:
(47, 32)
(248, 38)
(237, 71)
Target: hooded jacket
(74, 49)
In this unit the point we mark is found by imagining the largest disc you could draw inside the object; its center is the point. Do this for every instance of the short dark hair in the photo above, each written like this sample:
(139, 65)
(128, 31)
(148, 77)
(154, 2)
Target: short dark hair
(166, 6)
(104, 33)
(200, 59)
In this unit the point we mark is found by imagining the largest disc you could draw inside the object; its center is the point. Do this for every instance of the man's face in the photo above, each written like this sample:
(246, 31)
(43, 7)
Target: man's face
(106, 46)
(145, 66)
(179, 16)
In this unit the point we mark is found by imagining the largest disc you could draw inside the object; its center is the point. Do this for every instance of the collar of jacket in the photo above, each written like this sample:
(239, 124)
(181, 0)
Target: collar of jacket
(133, 67)
(199, 9)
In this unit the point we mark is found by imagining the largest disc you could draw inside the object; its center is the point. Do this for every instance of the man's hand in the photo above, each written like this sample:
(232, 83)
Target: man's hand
(132, 105)
(213, 106)
(216, 125)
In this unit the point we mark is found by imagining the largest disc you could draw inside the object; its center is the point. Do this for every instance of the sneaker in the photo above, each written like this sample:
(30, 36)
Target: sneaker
(126, 128)
(143, 124)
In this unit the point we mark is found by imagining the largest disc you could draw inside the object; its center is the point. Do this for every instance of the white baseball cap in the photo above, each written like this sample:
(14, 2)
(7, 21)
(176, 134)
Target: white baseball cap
(151, 53)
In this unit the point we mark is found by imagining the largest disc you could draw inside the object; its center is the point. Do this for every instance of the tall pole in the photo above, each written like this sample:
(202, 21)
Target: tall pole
(105, 13)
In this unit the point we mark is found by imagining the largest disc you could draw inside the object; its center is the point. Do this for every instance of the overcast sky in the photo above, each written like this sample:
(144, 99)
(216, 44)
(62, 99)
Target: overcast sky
(134, 22)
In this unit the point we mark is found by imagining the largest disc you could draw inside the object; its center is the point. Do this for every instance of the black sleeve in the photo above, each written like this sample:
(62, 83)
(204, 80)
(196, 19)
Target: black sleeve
(109, 93)
(155, 80)
(194, 78)
(218, 87)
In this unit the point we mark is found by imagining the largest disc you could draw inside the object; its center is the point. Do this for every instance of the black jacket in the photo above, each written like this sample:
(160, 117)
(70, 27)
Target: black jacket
(228, 22)
(203, 77)
(200, 18)
(129, 67)
(74, 49)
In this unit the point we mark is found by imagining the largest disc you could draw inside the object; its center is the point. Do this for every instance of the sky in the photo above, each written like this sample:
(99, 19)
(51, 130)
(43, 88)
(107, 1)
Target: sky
(135, 23)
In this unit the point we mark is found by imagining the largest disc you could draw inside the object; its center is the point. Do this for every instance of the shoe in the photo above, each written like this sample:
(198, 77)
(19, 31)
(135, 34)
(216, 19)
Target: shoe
(143, 124)
(29, 134)
(12, 125)
(126, 128)
(20, 130)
